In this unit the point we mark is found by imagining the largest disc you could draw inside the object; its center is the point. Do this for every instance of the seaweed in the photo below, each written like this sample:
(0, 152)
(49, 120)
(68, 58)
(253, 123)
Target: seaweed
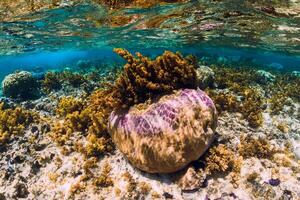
(224, 101)
(144, 78)
(51, 82)
(68, 105)
(13, 122)
(104, 180)
(96, 146)
(285, 87)
(260, 147)
(240, 82)
(252, 107)
(220, 159)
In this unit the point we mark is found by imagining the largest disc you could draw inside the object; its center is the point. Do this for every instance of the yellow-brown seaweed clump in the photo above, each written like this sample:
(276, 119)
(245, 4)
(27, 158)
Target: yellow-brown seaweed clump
(13, 121)
(104, 180)
(136, 3)
(68, 105)
(220, 159)
(87, 117)
(143, 78)
(51, 82)
(259, 148)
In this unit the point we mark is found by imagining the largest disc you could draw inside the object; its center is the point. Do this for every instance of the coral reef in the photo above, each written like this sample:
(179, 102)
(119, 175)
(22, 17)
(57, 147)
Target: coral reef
(243, 162)
(104, 180)
(135, 3)
(220, 159)
(240, 82)
(68, 105)
(51, 82)
(165, 136)
(13, 122)
(20, 85)
(54, 80)
(143, 78)
(205, 77)
(260, 147)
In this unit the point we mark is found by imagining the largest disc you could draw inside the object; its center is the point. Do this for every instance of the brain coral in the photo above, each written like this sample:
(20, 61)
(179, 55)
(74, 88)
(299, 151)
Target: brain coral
(166, 135)
(20, 84)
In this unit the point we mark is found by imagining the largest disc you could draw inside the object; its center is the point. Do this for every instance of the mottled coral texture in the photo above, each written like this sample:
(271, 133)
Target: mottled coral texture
(165, 136)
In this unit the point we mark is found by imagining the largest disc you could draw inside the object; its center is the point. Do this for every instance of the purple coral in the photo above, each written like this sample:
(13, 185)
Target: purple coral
(167, 135)
(162, 115)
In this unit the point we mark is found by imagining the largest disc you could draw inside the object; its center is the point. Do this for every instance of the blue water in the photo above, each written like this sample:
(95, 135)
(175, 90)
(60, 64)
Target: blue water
(60, 38)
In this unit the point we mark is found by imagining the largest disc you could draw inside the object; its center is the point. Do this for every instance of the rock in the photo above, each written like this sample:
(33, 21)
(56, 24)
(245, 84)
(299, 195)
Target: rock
(2, 196)
(297, 153)
(21, 191)
(296, 74)
(20, 85)
(167, 135)
(264, 77)
(274, 182)
(191, 180)
(168, 195)
(205, 77)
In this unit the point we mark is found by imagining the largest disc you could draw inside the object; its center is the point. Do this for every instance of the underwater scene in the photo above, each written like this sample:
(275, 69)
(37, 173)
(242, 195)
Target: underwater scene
(150, 99)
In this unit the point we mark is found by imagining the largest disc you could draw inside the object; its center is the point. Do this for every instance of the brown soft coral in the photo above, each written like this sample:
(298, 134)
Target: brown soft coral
(51, 82)
(68, 105)
(221, 159)
(14, 121)
(90, 117)
(104, 180)
(142, 78)
(260, 148)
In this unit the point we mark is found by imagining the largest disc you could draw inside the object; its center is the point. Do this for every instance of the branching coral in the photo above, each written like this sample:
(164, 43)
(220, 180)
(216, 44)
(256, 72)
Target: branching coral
(51, 82)
(104, 180)
(241, 83)
(14, 121)
(142, 78)
(259, 148)
(68, 105)
(221, 159)
(55, 80)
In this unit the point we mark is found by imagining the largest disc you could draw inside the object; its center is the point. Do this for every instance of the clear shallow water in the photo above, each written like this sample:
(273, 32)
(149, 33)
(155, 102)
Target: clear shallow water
(234, 32)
